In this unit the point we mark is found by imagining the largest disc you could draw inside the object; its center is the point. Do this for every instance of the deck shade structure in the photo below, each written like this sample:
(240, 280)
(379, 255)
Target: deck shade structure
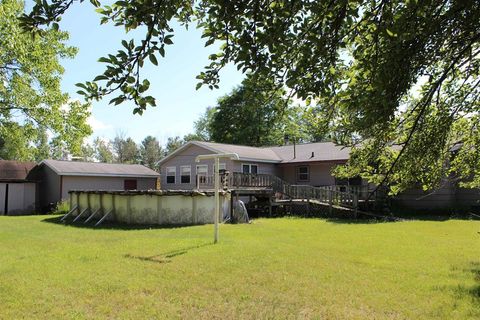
(216, 158)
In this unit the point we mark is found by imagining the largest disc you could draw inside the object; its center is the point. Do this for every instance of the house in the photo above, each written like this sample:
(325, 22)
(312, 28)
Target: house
(309, 163)
(58, 177)
(301, 164)
(18, 188)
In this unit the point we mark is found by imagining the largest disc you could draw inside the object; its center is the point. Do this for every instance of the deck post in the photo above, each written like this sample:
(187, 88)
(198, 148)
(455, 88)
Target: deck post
(330, 202)
(270, 206)
(355, 205)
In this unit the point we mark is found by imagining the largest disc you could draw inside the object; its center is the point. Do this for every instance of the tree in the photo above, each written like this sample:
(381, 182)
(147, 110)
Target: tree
(41, 145)
(30, 95)
(254, 115)
(402, 77)
(103, 150)
(125, 149)
(151, 152)
(173, 143)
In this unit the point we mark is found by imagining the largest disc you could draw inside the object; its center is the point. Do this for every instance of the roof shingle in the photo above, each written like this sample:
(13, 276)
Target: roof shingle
(77, 168)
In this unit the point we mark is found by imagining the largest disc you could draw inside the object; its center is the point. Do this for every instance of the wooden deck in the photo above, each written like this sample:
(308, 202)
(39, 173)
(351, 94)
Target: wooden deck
(281, 192)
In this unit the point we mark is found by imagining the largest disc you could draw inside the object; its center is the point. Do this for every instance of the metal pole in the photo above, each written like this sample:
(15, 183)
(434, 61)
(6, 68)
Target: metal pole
(217, 197)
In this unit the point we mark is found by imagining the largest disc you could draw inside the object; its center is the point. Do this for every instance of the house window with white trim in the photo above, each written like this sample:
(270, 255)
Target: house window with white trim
(185, 173)
(222, 166)
(303, 173)
(249, 168)
(202, 172)
(171, 174)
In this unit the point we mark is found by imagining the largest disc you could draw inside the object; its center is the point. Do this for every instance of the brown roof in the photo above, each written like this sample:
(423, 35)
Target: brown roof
(78, 168)
(15, 170)
(244, 152)
(321, 151)
(307, 152)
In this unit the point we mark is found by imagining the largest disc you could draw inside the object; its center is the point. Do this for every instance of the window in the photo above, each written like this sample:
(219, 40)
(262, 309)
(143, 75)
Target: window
(202, 172)
(185, 172)
(222, 166)
(171, 173)
(303, 173)
(250, 168)
(129, 184)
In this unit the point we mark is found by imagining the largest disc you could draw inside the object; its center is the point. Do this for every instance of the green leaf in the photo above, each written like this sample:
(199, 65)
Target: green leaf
(153, 59)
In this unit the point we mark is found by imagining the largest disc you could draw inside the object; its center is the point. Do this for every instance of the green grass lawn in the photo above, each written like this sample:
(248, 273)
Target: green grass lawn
(273, 268)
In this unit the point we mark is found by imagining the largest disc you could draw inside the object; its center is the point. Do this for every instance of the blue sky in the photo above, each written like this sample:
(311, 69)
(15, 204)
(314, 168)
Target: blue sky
(172, 82)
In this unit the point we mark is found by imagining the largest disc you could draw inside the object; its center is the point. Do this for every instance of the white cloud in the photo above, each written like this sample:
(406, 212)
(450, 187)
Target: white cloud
(98, 124)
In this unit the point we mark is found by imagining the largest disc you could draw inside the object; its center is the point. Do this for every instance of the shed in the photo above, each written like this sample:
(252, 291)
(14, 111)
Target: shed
(58, 177)
(18, 188)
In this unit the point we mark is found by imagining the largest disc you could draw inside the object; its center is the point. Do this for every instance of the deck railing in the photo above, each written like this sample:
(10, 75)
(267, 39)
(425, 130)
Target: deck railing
(341, 195)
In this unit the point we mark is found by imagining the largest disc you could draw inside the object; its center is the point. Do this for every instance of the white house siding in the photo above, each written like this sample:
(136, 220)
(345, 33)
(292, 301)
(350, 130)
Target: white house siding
(320, 173)
(21, 198)
(102, 183)
(417, 199)
(262, 167)
(187, 157)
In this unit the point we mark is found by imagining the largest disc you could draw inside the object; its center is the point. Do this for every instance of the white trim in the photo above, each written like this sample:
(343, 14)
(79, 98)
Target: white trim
(249, 167)
(189, 174)
(174, 175)
(297, 172)
(186, 145)
(260, 160)
(201, 165)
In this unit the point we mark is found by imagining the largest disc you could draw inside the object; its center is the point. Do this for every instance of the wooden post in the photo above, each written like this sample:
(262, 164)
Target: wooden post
(355, 205)
(308, 206)
(330, 202)
(270, 206)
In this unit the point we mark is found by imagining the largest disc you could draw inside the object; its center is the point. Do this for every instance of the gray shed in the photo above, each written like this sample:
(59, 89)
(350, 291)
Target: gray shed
(59, 177)
(18, 189)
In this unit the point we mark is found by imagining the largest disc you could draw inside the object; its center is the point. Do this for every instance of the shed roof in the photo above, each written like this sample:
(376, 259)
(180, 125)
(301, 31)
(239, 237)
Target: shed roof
(15, 170)
(78, 168)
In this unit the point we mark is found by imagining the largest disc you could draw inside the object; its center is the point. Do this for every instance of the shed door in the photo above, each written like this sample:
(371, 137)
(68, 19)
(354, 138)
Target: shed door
(130, 184)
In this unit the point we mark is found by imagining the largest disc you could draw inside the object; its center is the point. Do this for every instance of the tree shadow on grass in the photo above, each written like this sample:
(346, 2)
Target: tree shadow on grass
(167, 256)
(473, 291)
(108, 225)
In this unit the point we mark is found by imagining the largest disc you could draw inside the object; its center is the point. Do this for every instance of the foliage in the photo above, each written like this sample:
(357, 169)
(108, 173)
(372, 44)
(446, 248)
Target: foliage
(125, 149)
(62, 207)
(30, 95)
(386, 73)
(173, 143)
(254, 115)
(103, 150)
(270, 269)
(151, 152)
(202, 126)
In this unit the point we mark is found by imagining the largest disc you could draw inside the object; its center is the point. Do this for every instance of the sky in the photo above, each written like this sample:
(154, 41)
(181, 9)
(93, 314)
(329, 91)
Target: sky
(172, 82)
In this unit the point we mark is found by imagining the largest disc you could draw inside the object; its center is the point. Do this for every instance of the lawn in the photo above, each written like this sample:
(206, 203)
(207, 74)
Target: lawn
(273, 268)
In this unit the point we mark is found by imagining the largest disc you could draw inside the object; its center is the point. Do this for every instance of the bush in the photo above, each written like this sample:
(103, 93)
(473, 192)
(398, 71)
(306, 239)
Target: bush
(62, 207)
